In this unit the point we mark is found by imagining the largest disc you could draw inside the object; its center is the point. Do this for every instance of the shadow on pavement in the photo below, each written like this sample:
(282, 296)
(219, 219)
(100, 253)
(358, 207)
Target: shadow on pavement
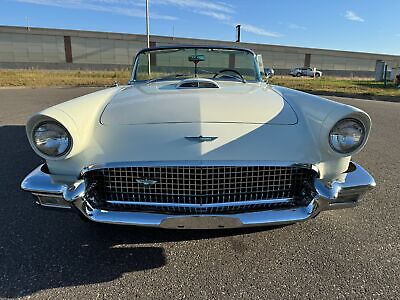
(42, 249)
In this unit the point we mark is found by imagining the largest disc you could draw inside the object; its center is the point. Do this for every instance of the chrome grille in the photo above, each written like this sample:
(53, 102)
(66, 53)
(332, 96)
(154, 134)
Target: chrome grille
(197, 189)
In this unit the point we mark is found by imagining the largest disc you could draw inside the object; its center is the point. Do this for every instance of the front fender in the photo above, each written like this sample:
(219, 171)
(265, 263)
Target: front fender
(79, 116)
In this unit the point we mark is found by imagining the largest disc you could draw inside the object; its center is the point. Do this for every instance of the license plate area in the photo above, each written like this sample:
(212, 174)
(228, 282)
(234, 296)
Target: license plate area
(201, 222)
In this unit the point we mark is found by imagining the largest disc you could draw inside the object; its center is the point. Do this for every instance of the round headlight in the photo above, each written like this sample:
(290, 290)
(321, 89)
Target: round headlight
(51, 139)
(347, 135)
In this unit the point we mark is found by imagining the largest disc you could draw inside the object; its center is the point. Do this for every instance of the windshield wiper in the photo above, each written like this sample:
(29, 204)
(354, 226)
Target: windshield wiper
(166, 78)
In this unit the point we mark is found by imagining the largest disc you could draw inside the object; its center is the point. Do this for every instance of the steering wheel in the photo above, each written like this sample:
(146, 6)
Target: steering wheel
(230, 70)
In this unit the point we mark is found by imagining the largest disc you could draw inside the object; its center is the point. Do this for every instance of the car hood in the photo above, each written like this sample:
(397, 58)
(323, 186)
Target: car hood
(165, 102)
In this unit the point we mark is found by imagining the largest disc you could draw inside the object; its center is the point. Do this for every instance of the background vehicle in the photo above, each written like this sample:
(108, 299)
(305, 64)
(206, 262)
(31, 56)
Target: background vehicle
(298, 72)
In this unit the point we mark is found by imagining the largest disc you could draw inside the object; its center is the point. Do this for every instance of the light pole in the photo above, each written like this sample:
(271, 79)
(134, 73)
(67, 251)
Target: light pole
(28, 27)
(148, 33)
(238, 33)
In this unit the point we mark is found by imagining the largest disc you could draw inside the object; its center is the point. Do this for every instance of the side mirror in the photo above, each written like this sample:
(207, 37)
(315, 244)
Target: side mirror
(269, 72)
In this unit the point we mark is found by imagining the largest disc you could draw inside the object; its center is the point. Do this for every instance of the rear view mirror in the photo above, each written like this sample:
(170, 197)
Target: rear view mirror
(196, 58)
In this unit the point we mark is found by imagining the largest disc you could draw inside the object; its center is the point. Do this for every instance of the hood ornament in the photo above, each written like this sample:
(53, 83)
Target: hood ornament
(201, 138)
(146, 182)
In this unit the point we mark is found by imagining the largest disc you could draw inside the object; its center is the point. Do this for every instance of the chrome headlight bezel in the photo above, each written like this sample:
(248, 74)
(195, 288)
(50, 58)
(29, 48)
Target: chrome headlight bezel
(335, 131)
(63, 133)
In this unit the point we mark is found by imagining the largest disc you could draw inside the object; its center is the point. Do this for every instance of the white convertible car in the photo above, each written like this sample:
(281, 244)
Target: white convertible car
(197, 139)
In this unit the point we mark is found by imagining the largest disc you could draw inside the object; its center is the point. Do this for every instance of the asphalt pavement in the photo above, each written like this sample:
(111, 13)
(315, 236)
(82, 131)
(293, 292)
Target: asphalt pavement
(48, 254)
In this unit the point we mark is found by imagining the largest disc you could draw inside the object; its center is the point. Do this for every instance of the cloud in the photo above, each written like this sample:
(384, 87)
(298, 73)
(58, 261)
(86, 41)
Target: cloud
(352, 16)
(220, 11)
(296, 27)
(219, 7)
(112, 6)
(215, 15)
(259, 31)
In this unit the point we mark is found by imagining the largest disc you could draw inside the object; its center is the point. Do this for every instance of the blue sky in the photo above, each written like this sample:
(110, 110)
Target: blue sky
(355, 25)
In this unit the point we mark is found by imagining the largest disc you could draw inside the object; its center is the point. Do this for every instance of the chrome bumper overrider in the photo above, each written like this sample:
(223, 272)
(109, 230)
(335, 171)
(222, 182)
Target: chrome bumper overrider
(342, 193)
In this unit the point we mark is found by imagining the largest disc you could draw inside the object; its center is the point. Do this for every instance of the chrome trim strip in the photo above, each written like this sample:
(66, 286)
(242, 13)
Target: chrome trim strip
(199, 163)
(208, 205)
(251, 219)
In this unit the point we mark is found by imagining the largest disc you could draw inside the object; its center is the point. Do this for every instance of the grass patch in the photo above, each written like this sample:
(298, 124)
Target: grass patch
(358, 87)
(333, 85)
(41, 78)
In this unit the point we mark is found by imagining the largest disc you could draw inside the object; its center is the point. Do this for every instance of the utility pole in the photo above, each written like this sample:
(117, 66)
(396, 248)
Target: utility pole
(148, 32)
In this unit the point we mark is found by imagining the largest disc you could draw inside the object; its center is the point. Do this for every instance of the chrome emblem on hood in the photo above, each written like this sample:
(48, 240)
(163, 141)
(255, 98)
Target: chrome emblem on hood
(201, 138)
(146, 182)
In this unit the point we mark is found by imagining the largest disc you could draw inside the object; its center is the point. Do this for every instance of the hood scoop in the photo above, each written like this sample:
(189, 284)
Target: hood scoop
(197, 83)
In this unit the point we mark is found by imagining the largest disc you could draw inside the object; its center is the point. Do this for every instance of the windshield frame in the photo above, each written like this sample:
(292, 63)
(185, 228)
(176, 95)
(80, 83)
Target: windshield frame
(178, 47)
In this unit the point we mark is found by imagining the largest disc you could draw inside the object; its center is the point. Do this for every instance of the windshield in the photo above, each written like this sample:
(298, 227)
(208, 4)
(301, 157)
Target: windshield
(217, 64)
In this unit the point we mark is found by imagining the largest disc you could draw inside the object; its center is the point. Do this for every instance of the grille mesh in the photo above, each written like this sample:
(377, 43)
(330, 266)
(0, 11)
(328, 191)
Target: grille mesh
(197, 189)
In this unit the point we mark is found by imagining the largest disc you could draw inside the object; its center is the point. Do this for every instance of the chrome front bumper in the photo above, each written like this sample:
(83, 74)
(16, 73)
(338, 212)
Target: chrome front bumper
(344, 192)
